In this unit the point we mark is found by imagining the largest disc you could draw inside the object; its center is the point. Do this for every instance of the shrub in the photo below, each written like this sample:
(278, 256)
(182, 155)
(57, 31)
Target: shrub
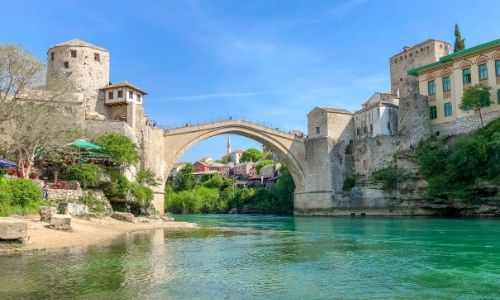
(117, 187)
(349, 183)
(120, 149)
(5, 200)
(389, 177)
(87, 174)
(93, 204)
(142, 195)
(26, 194)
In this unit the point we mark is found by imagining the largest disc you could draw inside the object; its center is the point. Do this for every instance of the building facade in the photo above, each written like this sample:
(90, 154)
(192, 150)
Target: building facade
(443, 83)
(379, 116)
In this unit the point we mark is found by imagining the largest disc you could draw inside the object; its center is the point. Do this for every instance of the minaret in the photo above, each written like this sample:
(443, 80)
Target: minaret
(228, 145)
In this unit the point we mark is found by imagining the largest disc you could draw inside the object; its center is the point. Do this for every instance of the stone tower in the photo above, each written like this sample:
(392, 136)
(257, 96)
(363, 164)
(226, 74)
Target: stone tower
(84, 67)
(413, 117)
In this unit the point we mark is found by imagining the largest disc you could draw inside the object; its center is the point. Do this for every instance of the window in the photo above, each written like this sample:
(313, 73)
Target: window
(446, 84)
(466, 75)
(73, 53)
(485, 102)
(357, 129)
(371, 127)
(138, 97)
(364, 129)
(97, 57)
(431, 87)
(110, 95)
(483, 72)
(317, 130)
(433, 112)
(389, 125)
(52, 56)
(66, 64)
(447, 109)
(130, 95)
(497, 67)
(120, 93)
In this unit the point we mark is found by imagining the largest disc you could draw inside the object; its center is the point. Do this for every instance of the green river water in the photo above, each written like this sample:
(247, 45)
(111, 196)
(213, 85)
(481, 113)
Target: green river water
(269, 257)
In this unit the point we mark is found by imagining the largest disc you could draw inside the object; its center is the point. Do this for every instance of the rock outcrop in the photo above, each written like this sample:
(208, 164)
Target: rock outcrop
(13, 230)
(123, 216)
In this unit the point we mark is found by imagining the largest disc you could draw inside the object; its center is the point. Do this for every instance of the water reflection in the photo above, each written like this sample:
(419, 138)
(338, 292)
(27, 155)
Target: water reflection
(266, 257)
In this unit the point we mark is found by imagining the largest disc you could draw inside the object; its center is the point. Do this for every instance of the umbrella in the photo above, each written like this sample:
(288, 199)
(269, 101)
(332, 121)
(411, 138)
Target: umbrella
(7, 164)
(84, 145)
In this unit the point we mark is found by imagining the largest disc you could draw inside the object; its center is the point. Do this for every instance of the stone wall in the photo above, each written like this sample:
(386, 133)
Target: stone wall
(153, 158)
(65, 195)
(467, 124)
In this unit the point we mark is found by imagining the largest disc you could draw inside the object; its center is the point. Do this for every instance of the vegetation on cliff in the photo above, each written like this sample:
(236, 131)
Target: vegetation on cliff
(214, 194)
(456, 172)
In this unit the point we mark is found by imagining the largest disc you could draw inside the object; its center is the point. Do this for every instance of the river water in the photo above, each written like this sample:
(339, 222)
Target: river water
(259, 257)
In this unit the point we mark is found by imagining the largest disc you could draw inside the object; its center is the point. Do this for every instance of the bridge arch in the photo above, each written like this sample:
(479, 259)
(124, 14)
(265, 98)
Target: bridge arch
(289, 147)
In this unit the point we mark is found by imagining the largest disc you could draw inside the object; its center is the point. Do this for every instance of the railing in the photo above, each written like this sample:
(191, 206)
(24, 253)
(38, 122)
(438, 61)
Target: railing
(231, 118)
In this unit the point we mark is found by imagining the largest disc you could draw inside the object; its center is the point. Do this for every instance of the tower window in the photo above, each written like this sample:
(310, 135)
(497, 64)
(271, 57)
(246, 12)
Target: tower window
(52, 56)
(130, 95)
(66, 64)
(138, 97)
(110, 95)
(97, 57)
(317, 130)
(73, 53)
(120, 93)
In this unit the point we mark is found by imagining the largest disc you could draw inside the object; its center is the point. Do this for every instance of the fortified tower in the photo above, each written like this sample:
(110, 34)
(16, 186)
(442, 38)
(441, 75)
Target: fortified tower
(84, 67)
(413, 116)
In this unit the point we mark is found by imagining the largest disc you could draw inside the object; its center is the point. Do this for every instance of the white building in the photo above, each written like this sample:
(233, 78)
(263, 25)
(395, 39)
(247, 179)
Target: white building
(379, 116)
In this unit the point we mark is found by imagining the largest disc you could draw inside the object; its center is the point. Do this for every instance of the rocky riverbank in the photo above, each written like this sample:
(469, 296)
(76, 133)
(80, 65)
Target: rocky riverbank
(84, 232)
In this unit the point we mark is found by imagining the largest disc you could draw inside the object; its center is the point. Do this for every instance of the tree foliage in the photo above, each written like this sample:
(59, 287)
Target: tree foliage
(452, 172)
(459, 41)
(89, 175)
(251, 154)
(185, 179)
(38, 126)
(120, 149)
(19, 69)
(475, 98)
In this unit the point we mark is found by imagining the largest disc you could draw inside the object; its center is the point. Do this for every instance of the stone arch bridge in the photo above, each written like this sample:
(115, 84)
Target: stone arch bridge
(289, 147)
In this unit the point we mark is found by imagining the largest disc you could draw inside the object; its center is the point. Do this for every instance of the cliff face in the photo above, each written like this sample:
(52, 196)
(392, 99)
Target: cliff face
(402, 191)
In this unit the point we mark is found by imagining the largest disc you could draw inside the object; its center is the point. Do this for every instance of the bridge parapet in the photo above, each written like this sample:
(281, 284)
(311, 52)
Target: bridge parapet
(232, 121)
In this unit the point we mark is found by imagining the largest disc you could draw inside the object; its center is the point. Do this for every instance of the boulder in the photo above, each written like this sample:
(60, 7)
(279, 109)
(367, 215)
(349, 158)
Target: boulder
(123, 216)
(13, 230)
(46, 212)
(167, 217)
(74, 209)
(233, 210)
(61, 222)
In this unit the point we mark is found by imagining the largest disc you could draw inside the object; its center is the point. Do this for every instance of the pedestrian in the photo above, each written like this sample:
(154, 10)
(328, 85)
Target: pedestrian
(45, 191)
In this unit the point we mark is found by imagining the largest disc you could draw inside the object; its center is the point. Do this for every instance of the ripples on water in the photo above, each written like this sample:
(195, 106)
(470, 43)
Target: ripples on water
(254, 257)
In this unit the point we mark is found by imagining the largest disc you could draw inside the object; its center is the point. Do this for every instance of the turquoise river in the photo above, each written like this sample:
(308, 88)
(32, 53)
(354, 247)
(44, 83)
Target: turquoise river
(269, 257)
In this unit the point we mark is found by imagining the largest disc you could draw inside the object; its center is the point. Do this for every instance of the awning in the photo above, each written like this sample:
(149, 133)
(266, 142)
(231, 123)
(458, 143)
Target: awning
(7, 164)
(84, 145)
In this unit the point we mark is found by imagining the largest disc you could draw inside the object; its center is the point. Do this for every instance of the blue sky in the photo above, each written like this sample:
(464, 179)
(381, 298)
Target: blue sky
(272, 61)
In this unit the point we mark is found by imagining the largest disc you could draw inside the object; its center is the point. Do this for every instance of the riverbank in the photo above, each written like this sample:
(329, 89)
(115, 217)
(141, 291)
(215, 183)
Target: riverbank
(84, 232)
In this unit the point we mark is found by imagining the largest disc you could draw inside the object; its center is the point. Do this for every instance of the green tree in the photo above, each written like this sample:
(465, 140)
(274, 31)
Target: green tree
(147, 177)
(185, 179)
(459, 41)
(89, 175)
(475, 98)
(120, 149)
(251, 154)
